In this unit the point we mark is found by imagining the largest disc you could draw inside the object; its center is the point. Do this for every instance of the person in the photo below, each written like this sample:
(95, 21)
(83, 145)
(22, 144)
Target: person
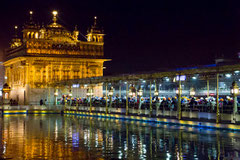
(174, 103)
(41, 102)
(169, 103)
(157, 105)
(163, 103)
(45, 103)
(11, 102)
(192, 103)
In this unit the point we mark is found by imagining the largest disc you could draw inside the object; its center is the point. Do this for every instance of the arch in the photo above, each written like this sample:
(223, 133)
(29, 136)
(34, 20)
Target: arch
(36, 35)
(28, 34)
(94, 38)
(32, 35)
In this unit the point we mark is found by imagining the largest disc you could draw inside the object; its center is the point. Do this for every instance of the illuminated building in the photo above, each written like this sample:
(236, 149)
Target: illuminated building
(47, 55)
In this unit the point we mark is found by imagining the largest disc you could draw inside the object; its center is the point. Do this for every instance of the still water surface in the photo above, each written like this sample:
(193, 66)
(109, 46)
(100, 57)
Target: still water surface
(76, 137)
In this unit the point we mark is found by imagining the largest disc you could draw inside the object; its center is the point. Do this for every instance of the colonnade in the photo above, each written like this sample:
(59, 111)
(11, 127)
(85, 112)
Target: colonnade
(128, 88)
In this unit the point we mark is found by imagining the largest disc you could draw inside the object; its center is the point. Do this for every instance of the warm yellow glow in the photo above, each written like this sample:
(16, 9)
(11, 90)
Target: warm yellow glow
(55, 13)
(44, 67)
(95, 17)
(236, 90)
(36, 35)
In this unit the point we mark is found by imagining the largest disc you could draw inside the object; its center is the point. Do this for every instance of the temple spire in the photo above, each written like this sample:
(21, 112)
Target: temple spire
(16, 42)
(54, 16)
(31, 16)
(94, 33)
(16, 31)
(95, 21)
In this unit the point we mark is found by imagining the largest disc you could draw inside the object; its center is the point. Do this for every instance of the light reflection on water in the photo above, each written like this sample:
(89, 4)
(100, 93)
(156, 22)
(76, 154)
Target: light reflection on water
(75, 137)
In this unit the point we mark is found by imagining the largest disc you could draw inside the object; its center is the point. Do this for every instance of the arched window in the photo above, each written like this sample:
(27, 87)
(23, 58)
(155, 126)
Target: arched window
(32, 35)
(36, 35)
(28, 34)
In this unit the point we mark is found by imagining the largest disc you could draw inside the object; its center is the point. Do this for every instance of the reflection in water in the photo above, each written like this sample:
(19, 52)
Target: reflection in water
(76, 137)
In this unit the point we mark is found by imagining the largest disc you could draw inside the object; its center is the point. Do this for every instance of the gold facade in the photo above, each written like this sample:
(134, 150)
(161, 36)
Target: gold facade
(49, 54)
(42, 71)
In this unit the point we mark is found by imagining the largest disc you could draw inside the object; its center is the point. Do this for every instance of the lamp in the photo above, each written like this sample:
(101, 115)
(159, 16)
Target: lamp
(234, 89)
(156, 93)
(234, 92)
(140, 92)
(110, 93)
(56, 94)
(130, 92)
(70, 95)
(192, 92)
(54, 13)
(89, 92)
(177, 91)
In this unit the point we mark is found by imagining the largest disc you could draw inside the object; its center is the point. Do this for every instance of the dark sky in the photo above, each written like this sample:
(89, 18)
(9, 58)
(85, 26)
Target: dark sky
(142, 35)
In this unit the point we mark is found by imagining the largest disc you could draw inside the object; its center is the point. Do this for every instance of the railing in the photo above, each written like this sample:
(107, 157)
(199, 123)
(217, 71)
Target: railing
(32, 107)
(188, 111)
(170, 107)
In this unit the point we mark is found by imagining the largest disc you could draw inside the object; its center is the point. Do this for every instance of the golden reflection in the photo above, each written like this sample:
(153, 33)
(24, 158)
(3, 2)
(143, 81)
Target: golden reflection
(63, 137)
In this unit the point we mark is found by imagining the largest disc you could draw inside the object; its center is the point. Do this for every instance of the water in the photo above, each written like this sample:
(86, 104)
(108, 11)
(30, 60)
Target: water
(75, 137)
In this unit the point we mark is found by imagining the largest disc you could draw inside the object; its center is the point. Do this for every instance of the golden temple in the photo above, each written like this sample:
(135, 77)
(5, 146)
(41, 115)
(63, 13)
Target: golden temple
(49, 54)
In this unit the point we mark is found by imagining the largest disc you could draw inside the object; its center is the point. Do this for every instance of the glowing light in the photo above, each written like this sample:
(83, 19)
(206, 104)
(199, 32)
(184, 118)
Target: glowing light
(36, 35)
(95, 17)
(140, 92)
(181, 78)
(16, 27)
(31, 12)
(76, 86)
(228, 75)
(111, 92)
(194, 78)
(236, 72)
(55, 13)
(236, 90)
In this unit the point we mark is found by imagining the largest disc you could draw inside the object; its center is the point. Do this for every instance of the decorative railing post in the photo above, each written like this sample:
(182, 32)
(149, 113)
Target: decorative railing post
(106, 109)
(217, 100)
(179, 99)
(150, 99)
(126, 98)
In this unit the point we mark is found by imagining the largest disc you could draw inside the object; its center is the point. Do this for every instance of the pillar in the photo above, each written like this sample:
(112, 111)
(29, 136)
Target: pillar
(179, 99)
(106, 86)
(207, 87)
(150, 99)
(91, 94)
(217, 100)
(120, 91)
(126, 98)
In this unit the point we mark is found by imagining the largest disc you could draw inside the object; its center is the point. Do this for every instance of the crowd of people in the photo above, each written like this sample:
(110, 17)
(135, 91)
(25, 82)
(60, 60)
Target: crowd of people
(158, 102)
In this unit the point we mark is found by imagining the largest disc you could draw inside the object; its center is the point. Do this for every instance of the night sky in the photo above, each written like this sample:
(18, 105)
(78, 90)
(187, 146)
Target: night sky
(141, 36)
